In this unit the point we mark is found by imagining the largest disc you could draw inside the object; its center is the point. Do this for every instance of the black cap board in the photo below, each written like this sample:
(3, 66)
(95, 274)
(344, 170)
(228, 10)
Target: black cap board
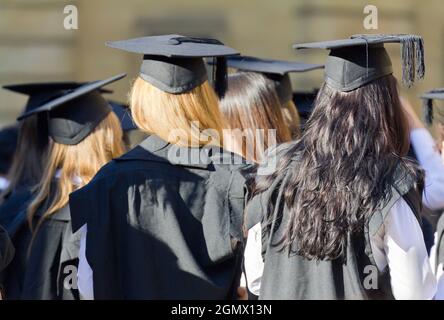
(123, 113)
(73, 115)
(427, 105)
(275, 70)
(361, 59)
(174, 63)
(42, 92)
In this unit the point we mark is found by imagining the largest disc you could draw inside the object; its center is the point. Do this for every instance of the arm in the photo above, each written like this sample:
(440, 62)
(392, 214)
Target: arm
(402, 244)
(84, 273)
(428, 157)
(430, 160)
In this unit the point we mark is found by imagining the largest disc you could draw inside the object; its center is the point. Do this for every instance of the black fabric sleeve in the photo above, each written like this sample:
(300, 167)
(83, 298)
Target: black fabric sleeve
(80, 206)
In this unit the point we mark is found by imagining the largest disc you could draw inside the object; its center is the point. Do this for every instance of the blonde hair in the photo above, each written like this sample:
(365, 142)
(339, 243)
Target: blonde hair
(173, 117)
(251, 103)
(292, 119)
(81, 161)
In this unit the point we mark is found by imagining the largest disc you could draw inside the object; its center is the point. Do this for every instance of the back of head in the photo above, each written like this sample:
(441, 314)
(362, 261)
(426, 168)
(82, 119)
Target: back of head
(252, 106)
(190, 118)
(75, 165)
(346, 161)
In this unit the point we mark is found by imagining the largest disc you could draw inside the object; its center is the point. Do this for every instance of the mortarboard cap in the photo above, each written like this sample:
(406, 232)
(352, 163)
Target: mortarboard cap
(427, 103)
(41, 92)
(361, 59)
(122, 112)
(75, 113)
(275, 70)
(174, 63)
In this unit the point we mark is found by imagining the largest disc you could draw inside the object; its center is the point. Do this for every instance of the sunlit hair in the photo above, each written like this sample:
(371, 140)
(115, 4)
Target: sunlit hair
(251, 104)
(30, 155)
(342, 169)
(292, 119)
(77, 164)
(188, 119)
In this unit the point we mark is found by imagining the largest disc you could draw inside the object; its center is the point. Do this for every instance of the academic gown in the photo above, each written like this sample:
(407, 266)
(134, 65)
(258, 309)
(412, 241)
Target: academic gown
(293, 277)
(6, 254)
(13, 213)
(164, 227)
(53, 258)
(13, 209)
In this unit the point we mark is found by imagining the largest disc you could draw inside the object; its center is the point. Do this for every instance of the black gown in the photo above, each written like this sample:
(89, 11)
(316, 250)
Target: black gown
(6, 254)
(52, 260)
(13, 208)
(160, 227)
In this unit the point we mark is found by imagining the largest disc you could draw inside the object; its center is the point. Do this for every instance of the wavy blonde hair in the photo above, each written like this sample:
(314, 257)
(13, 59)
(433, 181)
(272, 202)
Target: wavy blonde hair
(173, 117)
(292, 119)
(81, 161)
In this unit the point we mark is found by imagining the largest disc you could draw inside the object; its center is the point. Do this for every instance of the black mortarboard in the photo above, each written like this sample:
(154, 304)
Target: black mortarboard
(8, 144)
(122, 112)
(361, 59)
(174, 63)
(73, 115)
(427, 103)
(40, 93)
(275, 70)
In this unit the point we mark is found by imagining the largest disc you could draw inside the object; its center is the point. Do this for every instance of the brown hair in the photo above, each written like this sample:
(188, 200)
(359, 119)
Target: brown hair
(292, 119)
(251, 103)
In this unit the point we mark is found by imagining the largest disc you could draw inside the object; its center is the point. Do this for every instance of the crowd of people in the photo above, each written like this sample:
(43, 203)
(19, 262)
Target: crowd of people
(221, 181)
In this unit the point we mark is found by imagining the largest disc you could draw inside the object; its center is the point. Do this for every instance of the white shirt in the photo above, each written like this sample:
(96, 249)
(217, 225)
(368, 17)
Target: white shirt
(433, 197)
(84, 272)
(430, 160)
(398, 244)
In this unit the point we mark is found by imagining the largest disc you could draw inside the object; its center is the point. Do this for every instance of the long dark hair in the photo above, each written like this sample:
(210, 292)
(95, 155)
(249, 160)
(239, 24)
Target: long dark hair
(344, 167)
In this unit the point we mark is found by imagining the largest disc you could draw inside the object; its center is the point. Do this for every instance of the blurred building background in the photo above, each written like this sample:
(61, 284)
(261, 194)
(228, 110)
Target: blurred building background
(34, 46)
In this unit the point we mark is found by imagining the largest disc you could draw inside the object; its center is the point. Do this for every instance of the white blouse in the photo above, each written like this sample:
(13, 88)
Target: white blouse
(430, 160)
(84, 272)
(433, 197)
(398, 244)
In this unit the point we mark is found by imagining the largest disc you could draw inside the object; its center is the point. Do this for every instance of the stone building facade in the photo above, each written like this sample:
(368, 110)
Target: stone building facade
(34, 45)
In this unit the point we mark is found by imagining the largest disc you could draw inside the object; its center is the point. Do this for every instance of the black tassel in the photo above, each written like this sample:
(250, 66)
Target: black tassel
(220, 76)
(412, 57)
(427, 111)
(412, 54)
(420, 65)
(408, 60)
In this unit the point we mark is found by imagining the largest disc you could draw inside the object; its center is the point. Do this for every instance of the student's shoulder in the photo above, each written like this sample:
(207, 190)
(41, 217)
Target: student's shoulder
(224, 160)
